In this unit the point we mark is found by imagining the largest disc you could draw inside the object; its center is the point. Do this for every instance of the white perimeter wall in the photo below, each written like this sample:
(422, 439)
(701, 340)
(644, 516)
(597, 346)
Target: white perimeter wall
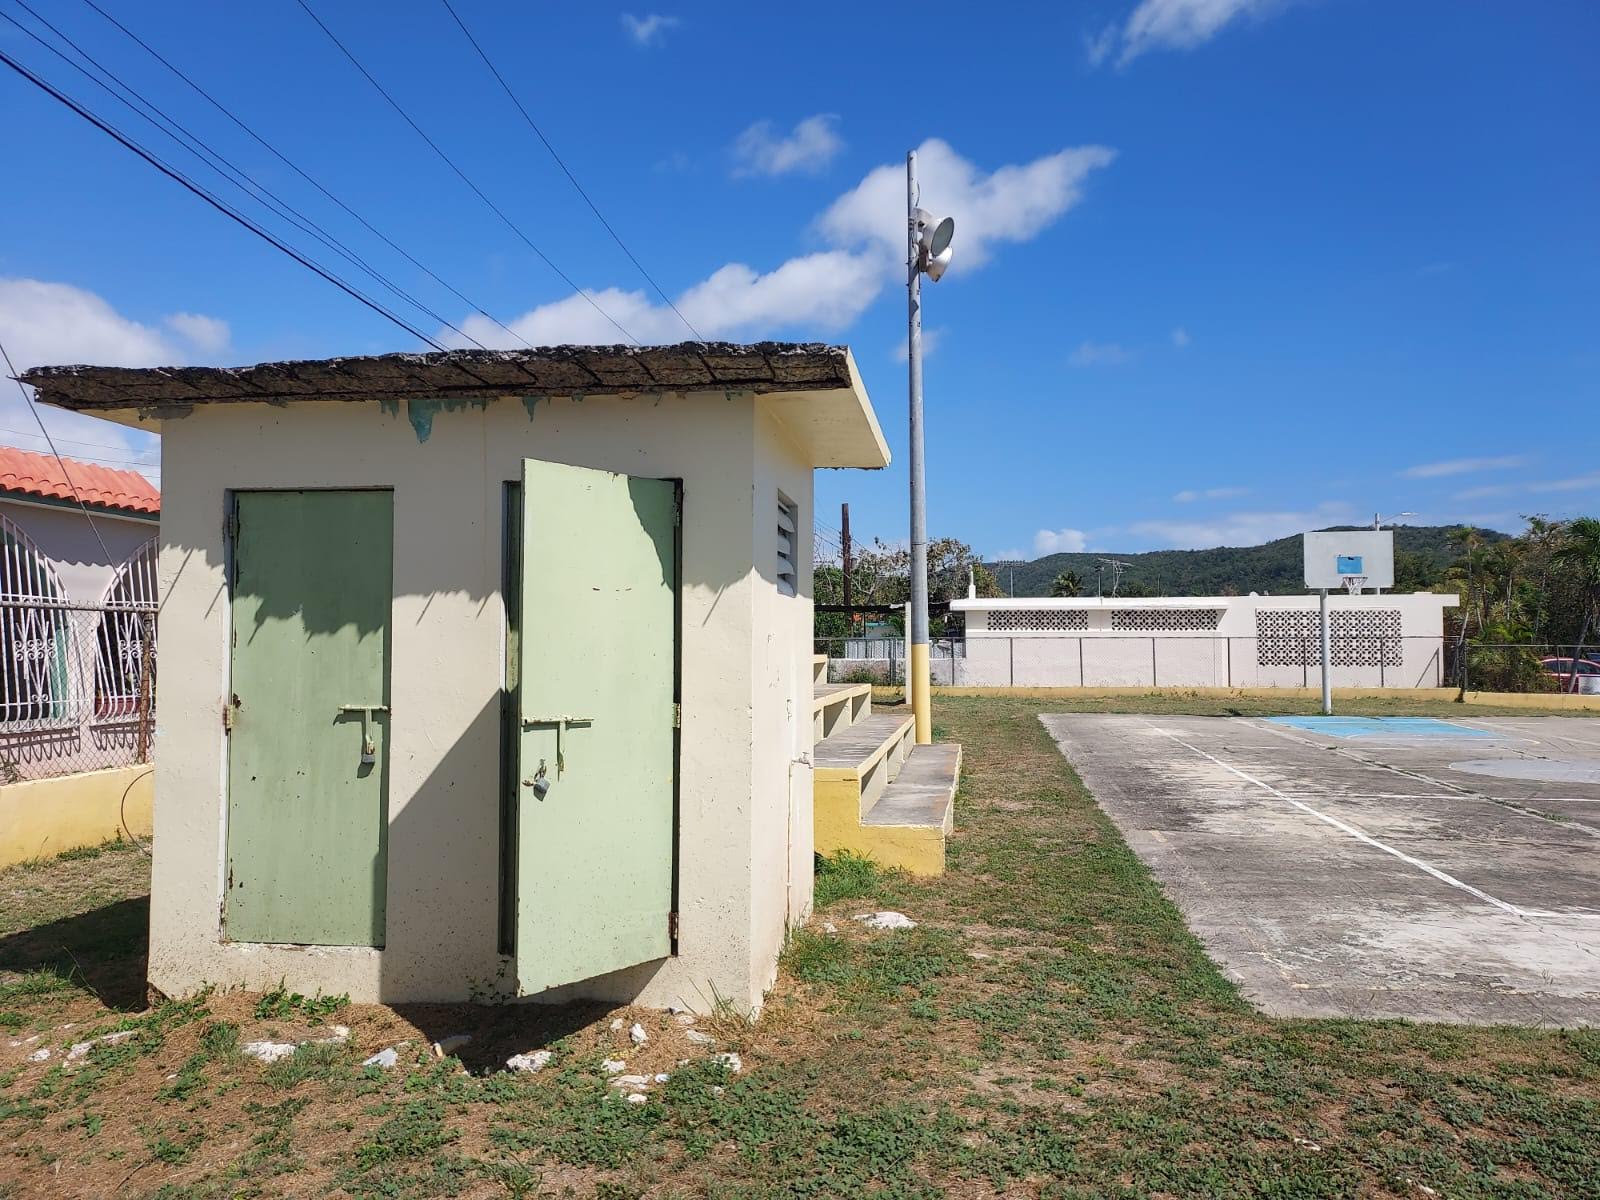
(1230, 655)
(744, 828)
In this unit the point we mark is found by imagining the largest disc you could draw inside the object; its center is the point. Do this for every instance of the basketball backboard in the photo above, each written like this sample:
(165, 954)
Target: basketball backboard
(1337, 558)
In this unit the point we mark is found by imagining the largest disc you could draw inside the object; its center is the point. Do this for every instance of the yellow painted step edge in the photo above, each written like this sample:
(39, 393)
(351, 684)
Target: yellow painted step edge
(852, 774)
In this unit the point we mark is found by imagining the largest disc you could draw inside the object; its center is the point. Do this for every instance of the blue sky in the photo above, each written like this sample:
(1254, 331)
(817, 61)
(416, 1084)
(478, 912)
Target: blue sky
(1225, 269)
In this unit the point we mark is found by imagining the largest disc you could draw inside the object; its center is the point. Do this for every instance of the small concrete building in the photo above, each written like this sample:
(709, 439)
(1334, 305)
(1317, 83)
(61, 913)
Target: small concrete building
(1388, 640)
(487, 673)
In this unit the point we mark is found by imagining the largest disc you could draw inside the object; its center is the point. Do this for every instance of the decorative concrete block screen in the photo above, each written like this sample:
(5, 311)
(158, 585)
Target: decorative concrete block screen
(1037, 620)
(1164, 620)
(1360, 639)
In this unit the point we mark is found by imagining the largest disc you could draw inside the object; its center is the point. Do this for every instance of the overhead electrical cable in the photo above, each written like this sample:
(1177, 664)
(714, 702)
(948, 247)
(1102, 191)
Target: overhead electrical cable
(33, 408)
(463, 176)
(128, 96)
(293, 166)
(565, 170)
(216, 202)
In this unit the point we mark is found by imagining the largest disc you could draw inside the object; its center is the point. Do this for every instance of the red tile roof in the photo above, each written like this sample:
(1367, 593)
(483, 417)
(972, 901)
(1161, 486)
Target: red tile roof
(30, 474)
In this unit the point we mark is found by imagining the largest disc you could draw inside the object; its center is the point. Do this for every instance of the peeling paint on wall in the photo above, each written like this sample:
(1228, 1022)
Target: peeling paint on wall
(421, 412)
(530, 403)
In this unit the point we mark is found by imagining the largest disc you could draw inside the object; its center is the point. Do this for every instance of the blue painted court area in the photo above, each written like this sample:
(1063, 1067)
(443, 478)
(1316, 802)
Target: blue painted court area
(1355, 727)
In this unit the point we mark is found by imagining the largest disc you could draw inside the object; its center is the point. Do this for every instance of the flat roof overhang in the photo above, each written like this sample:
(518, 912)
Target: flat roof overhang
(813, 390)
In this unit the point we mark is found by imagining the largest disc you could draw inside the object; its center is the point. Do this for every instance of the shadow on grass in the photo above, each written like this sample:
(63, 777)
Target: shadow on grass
(104, 951)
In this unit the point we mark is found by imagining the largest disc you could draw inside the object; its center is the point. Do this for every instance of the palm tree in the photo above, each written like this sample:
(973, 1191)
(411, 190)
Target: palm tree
(1066, 584)
(1580, 550)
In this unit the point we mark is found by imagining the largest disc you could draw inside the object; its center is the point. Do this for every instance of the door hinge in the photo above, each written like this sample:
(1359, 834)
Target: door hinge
(672, 925)
(677, 508)
(227, 717)
(677, 716)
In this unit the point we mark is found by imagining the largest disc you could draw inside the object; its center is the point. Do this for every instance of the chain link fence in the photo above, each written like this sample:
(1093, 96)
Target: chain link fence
(77, 686)
(1199, 660)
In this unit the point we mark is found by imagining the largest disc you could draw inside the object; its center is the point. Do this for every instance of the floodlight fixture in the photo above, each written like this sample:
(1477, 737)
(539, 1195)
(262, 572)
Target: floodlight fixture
(933, 242)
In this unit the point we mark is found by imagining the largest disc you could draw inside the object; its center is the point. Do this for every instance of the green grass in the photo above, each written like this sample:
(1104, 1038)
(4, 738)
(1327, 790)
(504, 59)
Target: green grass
(1049, 1029)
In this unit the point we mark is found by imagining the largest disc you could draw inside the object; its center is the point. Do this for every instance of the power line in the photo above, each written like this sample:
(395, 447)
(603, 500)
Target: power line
(27, 399)
(220, 205)
(565, 170)
(73, 442)
(464, 177)
(286, 161)
(217, 162)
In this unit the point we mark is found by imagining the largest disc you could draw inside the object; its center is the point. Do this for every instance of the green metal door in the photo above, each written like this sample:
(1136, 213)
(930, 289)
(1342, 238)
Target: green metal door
(597, 691)
(308, 754)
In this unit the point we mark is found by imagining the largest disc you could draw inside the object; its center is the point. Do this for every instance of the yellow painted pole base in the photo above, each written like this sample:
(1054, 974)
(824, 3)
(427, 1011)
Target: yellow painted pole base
(921, 694)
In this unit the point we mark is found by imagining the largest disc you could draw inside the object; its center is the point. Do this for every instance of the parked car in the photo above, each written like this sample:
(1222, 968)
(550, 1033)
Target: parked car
(1588, 672)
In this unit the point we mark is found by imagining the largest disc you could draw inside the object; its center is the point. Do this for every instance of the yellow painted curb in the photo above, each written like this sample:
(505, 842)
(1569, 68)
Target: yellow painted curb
(44, 817)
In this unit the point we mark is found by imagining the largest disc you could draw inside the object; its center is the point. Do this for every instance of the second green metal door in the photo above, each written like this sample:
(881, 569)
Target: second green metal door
(598, 742)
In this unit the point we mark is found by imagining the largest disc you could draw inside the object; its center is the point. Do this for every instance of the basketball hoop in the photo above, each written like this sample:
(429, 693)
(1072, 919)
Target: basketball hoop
(1354, 583)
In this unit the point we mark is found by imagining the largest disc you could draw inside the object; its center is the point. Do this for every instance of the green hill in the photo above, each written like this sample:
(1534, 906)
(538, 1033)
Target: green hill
(1421, 553)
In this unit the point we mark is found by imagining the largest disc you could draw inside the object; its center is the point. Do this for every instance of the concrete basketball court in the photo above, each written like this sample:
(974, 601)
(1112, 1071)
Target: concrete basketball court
(1438, 870)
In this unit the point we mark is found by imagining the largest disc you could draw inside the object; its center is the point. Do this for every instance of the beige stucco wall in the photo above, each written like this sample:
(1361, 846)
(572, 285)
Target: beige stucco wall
(1099, 655)
(741, 652)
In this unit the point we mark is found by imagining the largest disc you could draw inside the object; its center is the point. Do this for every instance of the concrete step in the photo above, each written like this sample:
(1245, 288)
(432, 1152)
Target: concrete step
(819, 668)
(924, 793)
(899, 822)
(854, 766)
(837, 706)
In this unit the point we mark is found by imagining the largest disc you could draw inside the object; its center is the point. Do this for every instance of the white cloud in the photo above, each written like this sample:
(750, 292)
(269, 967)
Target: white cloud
(1010, 555)
(808, 149)
(826, 290)
(1171, 25)
(1099, 354)
(1577, 483)
(48, 323)
(648, 30)
(209, 334)
(1464, 466)
(1181, 338)
(1241, 528)
(1190, 495)
(1060, 541)
(1011, 204)
(931, 340)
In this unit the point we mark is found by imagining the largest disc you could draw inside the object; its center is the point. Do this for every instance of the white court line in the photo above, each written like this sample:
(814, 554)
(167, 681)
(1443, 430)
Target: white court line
(1528, 733)
(1344, 827)
(1521, 807)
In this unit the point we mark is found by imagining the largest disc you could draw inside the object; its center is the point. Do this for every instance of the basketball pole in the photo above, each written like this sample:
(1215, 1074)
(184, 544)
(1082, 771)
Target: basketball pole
(1327, 646)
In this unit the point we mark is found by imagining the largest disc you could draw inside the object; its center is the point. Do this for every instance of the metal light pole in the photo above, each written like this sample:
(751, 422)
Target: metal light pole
(921, 691)
(927, 251)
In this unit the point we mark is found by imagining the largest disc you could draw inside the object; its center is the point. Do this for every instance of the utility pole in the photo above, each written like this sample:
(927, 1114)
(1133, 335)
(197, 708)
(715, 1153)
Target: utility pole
(927, 251)
(844, 534)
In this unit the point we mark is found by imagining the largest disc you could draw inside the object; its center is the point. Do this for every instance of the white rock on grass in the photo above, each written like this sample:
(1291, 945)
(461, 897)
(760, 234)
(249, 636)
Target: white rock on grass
(829, 927)
(337, 1036)
(637, 1035)
(729, 1059)
(79, 1049)
(383, 1059)
(700, 1039)
(662, 1077)
(616, 1024)
(886, 920)
(683, 1018)
(269, 1052)
(637, 1098)
(39, 1055)
(613, 1066)
(537, 1061)
(631, 1081)
(449, 1045)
